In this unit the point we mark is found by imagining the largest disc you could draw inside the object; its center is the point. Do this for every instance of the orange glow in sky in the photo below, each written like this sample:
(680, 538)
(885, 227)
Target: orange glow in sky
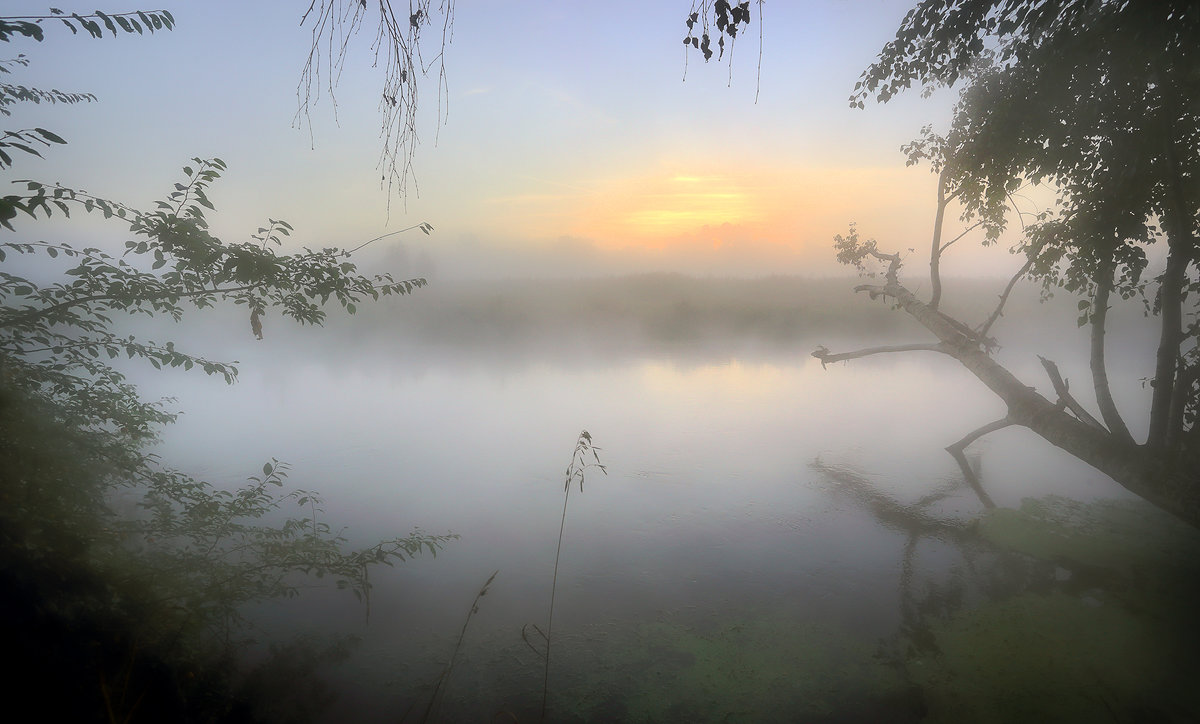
(777, 217)
(789, 209)
(655, 209)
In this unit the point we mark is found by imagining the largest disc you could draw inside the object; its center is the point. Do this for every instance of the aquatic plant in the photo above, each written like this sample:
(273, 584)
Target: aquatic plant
(575, 474)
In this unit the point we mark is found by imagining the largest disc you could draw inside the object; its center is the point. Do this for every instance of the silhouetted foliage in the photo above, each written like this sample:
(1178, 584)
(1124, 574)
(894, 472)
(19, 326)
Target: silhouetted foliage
(1096, 101)
(125, 581)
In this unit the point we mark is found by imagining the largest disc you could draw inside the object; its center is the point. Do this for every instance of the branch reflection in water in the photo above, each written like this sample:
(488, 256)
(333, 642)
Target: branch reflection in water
(1061, 610)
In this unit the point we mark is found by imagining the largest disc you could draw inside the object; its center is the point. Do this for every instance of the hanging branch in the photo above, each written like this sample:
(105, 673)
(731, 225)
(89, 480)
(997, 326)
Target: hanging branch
(397, 46)
(728, 18)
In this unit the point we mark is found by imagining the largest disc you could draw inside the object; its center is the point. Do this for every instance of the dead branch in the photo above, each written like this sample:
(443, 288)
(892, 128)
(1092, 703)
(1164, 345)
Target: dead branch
(1062, 389)
(826, 356)
(873, 290)
(893, 260)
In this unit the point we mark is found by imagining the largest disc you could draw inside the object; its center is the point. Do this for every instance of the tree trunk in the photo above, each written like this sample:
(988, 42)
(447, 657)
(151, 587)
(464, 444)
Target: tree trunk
(1170, 300)
(1108, 408)
(1178, 220)
(935, 253)
(1137, 468)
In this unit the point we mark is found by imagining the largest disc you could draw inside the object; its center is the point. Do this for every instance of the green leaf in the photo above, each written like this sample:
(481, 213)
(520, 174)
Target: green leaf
(52, 137)
(108, 23)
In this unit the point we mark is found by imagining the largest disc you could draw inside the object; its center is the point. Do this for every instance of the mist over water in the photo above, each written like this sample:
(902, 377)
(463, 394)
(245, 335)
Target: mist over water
(456, 411)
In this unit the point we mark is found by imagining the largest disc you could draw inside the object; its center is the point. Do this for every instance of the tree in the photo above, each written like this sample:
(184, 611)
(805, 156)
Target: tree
(162, 588)
(1100, 102)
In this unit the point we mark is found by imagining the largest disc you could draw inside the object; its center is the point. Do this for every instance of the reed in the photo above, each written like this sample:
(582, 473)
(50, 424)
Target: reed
(586, 456)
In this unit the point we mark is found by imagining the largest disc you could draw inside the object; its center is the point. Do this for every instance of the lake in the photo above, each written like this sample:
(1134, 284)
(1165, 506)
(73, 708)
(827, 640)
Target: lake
(735, 563)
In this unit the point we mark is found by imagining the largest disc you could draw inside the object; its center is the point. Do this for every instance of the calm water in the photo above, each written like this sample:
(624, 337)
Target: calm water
(714, 572)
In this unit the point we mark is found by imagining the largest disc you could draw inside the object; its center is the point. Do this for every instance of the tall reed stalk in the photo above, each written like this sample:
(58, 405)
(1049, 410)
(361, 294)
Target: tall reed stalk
(575, 473)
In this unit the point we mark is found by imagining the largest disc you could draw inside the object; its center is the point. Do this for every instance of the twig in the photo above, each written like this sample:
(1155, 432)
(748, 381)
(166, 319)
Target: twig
(423, 226)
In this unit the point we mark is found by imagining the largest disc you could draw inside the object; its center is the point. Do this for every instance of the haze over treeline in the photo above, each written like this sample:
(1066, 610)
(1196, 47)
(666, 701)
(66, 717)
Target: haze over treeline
(606, 316)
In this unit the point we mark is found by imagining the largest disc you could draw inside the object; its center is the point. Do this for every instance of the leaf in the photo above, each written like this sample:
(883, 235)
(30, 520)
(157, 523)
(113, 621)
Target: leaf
(256, 324)
(108, 23)
(52, 137)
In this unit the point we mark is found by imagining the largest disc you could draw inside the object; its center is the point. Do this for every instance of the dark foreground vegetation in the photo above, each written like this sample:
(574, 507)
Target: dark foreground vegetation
(125, 583)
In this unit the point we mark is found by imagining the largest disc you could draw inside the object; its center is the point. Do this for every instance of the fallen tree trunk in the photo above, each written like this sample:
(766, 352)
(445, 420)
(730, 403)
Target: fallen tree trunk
(1140, 469)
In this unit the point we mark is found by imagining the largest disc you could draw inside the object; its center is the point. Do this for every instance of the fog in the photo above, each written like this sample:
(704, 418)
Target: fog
(745, 505)
(633, 449)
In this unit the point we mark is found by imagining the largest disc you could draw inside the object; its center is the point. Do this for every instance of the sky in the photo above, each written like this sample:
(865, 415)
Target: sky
(570, 142)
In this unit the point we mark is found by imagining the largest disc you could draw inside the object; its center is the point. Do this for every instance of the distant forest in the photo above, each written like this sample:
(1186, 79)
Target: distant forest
(658, 313)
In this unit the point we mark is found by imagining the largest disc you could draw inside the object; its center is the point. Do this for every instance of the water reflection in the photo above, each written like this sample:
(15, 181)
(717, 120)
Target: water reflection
(716, 572)
(1038, 612)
